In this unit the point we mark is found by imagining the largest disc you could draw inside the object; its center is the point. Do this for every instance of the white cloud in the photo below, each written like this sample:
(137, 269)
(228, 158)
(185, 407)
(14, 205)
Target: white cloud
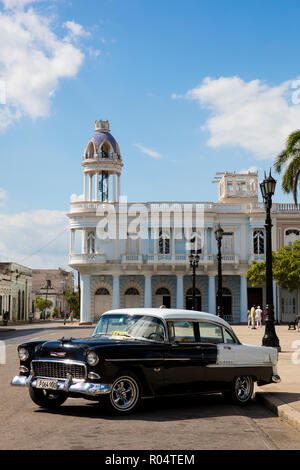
(147, 151)
(251, 115)
(75, 30)
(33, 60)
(37, 239)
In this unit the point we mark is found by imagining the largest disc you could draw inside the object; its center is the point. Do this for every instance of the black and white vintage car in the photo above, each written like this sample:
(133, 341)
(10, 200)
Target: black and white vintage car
(140, 353)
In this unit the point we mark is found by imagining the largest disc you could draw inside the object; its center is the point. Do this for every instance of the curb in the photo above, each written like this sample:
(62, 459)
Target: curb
(280, 408)
(5, 330)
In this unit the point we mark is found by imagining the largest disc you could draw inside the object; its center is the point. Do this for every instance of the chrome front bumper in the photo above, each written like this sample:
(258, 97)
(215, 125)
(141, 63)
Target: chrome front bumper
(66, 386)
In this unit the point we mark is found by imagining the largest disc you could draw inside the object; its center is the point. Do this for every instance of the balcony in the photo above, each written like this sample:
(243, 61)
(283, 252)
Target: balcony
(256, 257)
(177, 259)
(132, 259)
(81, 259)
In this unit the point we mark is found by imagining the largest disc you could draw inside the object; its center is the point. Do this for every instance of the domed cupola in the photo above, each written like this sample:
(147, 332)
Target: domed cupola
(102, 162)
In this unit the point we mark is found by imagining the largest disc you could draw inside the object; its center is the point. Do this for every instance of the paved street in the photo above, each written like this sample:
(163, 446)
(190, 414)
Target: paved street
(194, 423)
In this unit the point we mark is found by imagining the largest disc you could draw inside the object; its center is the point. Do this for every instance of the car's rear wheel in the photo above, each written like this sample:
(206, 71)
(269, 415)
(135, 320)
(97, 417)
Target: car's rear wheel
(47, 398)
(125, 395)
(241, 390)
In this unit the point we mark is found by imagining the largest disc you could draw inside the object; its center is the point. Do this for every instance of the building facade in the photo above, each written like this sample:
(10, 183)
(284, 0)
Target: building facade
(52, 284)
(136, 254)
(15, 291)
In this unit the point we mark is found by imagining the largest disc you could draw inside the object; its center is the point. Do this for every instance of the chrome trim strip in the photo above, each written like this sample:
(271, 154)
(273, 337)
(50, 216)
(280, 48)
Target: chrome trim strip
(84, 388)
(227, 364)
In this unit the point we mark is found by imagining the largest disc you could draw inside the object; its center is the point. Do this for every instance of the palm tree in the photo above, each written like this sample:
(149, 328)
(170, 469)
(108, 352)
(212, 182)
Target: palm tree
(290, 157)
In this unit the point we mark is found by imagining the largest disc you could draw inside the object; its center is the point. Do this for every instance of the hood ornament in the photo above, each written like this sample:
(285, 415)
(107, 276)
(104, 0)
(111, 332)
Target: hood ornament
(58, 354)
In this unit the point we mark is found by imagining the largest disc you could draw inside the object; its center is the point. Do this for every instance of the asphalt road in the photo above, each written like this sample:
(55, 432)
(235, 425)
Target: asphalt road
(201, 423)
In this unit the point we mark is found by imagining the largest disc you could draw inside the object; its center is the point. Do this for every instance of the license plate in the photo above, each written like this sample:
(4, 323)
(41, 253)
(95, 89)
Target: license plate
(47, 384)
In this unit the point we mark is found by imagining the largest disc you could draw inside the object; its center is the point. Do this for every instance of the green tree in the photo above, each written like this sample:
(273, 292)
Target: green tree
(290, 159)
(72, 299)
(41, 304)
(286, 268)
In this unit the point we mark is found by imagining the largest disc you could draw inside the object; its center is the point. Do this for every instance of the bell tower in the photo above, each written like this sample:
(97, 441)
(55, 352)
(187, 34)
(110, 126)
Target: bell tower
(102, 166)
(237, 187)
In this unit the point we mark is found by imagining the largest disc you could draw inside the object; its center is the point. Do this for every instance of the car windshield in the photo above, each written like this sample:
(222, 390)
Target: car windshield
(130, 326)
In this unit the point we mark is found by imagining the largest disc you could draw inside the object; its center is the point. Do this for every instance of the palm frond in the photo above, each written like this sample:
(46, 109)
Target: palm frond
(293, 141)
(281, 159)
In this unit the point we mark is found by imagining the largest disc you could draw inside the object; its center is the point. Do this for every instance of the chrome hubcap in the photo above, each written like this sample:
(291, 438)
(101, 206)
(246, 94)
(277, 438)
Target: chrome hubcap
(243, 387)
(124, 394)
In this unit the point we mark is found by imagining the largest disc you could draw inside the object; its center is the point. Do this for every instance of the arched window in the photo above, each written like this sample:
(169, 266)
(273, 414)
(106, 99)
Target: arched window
(291, 235)
(258, 242)
(106, 151)
(91, 243)
(132, 291)
(102, 291)
(162, 291)
(162, 297)
(164, 242)
(90, 151)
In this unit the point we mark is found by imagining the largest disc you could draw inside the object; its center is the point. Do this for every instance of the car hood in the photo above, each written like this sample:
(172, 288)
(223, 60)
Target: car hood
(76, 348)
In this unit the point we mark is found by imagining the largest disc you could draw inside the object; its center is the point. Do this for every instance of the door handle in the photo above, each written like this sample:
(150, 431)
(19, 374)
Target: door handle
(227, 347)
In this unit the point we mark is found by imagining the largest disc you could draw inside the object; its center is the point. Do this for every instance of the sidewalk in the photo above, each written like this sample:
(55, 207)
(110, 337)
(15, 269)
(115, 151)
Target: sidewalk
(284, 398)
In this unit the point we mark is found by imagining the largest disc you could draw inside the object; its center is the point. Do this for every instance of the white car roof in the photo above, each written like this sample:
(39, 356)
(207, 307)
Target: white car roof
(171, 314)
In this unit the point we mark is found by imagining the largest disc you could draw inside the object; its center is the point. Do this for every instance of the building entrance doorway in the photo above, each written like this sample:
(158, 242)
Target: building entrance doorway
(189, 300)
(255, 297)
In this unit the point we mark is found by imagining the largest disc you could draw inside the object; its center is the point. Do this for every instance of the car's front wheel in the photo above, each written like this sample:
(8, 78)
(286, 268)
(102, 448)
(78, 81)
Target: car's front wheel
(241, 390)
(47, 398)
(125, 395)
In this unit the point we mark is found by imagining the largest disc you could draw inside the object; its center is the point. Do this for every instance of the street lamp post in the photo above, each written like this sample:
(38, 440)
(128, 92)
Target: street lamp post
(270, 338)
(219, 235)
(194, 261)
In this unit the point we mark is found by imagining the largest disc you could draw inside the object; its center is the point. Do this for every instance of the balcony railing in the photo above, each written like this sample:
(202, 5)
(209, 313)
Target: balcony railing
(87, 258)
(132, 259)
(258, 258)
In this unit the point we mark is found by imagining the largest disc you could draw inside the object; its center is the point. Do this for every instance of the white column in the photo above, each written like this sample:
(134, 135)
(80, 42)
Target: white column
(72, 241)
(91, 187)
(243, 299)
(119, 188)
(148, 292)
(116, 291)
(85, 299)
(84, 242)
(114, 189)
(179, 292)
(85, 186)
(211, 295)
(97, 187)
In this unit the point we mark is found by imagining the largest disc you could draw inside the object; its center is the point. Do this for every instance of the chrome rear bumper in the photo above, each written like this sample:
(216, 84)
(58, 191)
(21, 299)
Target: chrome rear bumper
(86, 388)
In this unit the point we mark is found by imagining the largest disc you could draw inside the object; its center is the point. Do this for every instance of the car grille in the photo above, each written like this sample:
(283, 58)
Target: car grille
(59, 369)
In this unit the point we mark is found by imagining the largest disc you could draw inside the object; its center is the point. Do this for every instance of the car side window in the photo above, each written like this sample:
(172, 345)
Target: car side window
(181, 331)
(228, 338)
(210, 333)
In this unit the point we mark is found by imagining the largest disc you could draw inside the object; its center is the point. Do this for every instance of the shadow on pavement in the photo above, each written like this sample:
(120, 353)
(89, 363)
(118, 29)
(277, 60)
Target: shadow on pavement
(166, 409)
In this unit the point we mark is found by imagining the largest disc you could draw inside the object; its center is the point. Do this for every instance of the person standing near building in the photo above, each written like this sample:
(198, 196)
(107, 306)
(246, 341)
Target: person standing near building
(249, 318)
(258, 313)
(253, 314)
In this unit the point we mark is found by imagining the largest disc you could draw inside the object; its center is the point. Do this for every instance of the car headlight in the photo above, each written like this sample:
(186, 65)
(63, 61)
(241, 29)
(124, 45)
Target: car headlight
(92, 358)
(23, 354)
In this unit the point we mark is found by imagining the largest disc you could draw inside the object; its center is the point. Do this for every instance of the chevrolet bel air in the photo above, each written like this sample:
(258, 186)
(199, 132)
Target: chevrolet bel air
(141, 353)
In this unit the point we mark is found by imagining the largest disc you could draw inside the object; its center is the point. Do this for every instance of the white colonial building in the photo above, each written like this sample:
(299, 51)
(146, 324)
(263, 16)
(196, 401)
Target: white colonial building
(136, 254)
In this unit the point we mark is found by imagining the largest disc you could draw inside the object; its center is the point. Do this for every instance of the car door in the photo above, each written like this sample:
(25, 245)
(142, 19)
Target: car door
(184, 358)
(219, 373)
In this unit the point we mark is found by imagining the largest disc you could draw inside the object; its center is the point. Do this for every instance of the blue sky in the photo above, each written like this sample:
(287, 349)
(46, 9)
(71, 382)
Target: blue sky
(207, 85)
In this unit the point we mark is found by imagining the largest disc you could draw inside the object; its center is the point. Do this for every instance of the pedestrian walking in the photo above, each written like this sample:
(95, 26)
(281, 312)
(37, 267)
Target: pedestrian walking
(253, 313)
(72, 316)
(258, 314)
(249, 318)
